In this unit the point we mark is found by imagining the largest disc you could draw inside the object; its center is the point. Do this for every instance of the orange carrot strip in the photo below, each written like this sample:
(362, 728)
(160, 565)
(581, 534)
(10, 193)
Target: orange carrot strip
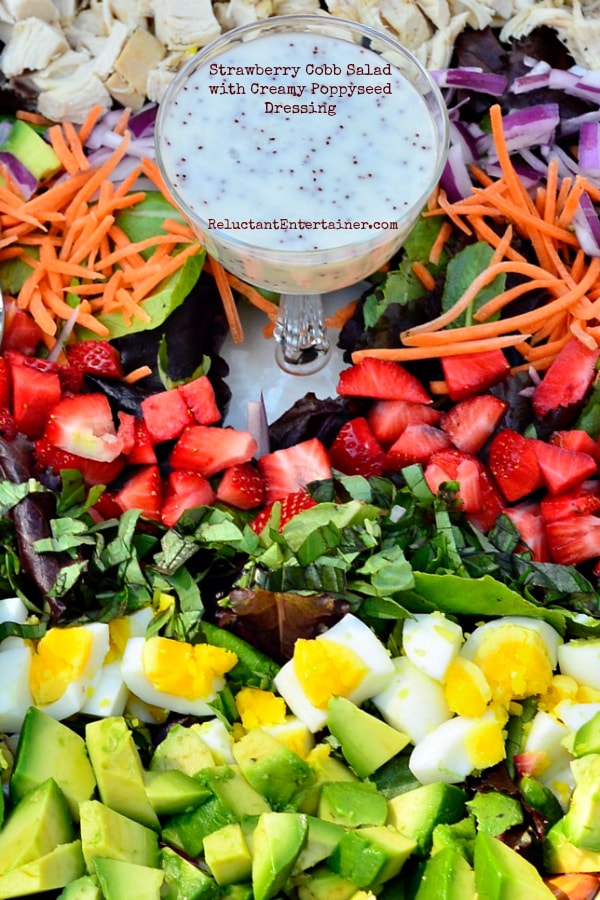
(89, 123)
(75, 146)
(251, 294)
(40, 313)
(527, 219)
(404, 354)
(501, 300)
(137, 374)
(549, 210)
(123, 121)
(579, 330)
(97, 176)
(137, 247)
(571, 203)
(62, 149)
(437, 248)
(174, 227)
(91, 241)
(423, 274)
(33, 118)
(516, 188)
(228, 301)
(174, 263)
(480, 175)
(130, 307)
(485, 232)
(151, 171)
(342, 315)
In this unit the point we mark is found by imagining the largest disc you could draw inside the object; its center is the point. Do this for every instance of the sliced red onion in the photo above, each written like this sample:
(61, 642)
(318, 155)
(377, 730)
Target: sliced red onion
(141, 124)
(534, 162)
(460, 134)
(589, 149)
(26, 181)
(456, 178)
(472, 79)
(529, 127)
(530, 82)
(567, 167)
(587, 226)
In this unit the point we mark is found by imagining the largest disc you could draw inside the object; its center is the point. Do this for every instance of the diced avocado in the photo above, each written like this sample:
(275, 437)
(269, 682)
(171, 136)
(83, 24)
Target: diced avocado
(366, 741)
(416, 813)
(447, 876)
(37, 824)
(352, 803)
(31, 150)
(84, 888)
(460, 836)
(582, 820)
(503, 874)
(274, 770)
(234, 792)
(323, 884)
(118, 769)
(325, 768)
(50, 872)
(107, 833)
(187, 831)
(370, 856)
(227, 855)
(122, 880)
(561, 856)
(587, 738)
(171, 791)
(541, 798)
(395, 777)
(237, 892)
(182, 749)
(278, 839)
(184, 880)
(44, 745)
(322, 839)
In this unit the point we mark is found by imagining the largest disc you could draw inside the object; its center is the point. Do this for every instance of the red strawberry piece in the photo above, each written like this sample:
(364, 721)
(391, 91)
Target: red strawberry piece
(576, 439)
(95, 357)
(583, 500)
(84, 425)
(474, 373)
(242, 486)
(8, 426)
(182, 491)
(293, 468)
(529, 521)
(356, 451)
(142, 452)
(563, 470)
(126, 431)
(282, 511)
(492, 503)
(166, 414)
(573, 540)
(457, 466)
(415, 445)
(21, 332)
(567, 380)
(208, 449)
(5, 389)
(34, 393)
(381, 379)
(389, 418)
(92, 471)
(142, 491)
(106, 506)
(471, 422)
(513, 463)
(199, 396)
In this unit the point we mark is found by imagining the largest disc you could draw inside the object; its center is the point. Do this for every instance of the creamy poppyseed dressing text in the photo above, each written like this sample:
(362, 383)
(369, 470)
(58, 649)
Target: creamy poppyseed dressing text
(298, 141)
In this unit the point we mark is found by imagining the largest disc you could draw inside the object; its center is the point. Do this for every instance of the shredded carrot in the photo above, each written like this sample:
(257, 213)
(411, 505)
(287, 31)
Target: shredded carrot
(89, 123)
(251, 294)
(341, 315)
(423, 274)
(62, 149)
(137, 374)
(437, 248)
(229, 304)
(33, 118)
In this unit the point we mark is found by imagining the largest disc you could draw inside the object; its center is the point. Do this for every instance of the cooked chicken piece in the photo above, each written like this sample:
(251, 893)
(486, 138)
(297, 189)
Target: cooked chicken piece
(88, 25)
(160, 77)
(480, 13)
(437, 52)
(26, 9)
(400, 18)
(241, 12)
(437, 11)
(124, 93)
(69, 98)
(66, 10)
(287, 7)
(578, 31)
(142, 51)
(180, 24)
(32, 45)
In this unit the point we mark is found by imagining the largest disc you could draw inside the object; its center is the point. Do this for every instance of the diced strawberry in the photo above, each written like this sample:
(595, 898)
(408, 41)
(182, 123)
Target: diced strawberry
(182, 491)
(241, 486)
(415, 445)
(576, 439)
(472, 421)
(21, 332)
(92, 471)
(492, 503)
(34, 393)
(142, 491)
(568, 379)
(513, 463)
(381, 379)
(5, 389)
(464, 469)
(106, 506)
(142, 452)
(583, 500)
(84, 425)
(287, 507)
(573, 540)
(95, 357)
(293, 468)
(563, 470)
(208, 449)
(70, 379)
(389, 418)
(473, 373)
(528, 520)
(166, 414)
(199, 396)
(8, 426)
(126, 431)
(356, 451)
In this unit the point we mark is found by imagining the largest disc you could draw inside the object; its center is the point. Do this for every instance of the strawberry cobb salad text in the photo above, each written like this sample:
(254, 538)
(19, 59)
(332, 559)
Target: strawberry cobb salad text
(354, 652)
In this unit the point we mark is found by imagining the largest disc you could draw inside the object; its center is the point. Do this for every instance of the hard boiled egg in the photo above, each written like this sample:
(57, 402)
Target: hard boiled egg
(15, 693)
(431, 641)
(12, 609)
(63, 667)
(217, 738)
(549, 635)
(580, 658)
(175, 675)
(348, 660)
(412, 701)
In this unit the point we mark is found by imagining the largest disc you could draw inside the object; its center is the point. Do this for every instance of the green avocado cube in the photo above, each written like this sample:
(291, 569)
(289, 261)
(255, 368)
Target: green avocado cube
(36, 826)
(50, 872)
(227, 855)
(502, 873)
(582, 820)
(31, 150)
(182, 749)
(184, 880)
(171, 791)
(352, 803)
(108, 834)
(447, 876)
(277, 841)
(324, 884)
(122, 880)
(416, 813)
(367, 742)
(370, 856)
(561, 856)
(187, 831)
(84, 888)
(587, 737)
(272, 768)
(233, 790)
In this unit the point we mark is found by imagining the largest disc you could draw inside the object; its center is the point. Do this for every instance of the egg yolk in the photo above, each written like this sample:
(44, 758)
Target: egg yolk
(515, 663)
(561, 688)
(60, 658)
(119, 631)
(484, 745)
(185, 670)
(327, 669)
(257, 708)
(466, 689)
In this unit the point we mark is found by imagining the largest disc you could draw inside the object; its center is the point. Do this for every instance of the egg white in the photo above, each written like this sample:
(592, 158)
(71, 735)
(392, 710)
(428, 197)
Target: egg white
(443, 755)
(217, 738)
(574, 715)
(15, 694)
(551, 638)
(580, 658)
(431, 641)
(412, 701)
(12, 609)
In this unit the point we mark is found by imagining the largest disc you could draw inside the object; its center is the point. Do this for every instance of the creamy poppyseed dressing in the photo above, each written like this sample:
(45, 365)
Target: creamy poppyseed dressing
(300, 142)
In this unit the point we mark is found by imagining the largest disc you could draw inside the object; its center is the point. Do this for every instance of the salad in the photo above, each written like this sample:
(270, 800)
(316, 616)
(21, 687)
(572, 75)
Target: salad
(424, 545)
